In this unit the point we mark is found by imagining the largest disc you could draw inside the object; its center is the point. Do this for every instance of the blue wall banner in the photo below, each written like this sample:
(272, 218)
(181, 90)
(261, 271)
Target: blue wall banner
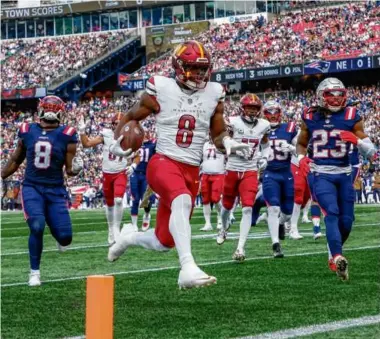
(128, 83)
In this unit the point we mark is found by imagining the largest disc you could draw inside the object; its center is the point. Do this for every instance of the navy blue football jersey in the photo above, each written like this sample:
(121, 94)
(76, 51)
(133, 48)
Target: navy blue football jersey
(354, 155)
(46, 152)
(283, 133)
(147, 150)
(327, 147)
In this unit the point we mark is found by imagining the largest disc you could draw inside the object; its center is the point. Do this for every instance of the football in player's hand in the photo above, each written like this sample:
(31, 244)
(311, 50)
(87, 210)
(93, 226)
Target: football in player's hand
(133, 136)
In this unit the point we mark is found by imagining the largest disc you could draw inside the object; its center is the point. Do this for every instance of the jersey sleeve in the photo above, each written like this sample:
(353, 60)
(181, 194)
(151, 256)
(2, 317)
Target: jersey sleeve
(292, 129)
(151, 86)
(70, 134)
(352, 114)
(23, 131)
(222, 95)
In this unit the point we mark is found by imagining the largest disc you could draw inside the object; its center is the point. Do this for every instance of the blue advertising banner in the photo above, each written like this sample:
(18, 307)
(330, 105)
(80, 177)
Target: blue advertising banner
(342, 65)
(131, 84)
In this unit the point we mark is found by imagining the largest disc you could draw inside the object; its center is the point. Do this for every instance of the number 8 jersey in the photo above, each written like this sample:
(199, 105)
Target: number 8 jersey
(46, 152)
(183, 122)
(330, 153)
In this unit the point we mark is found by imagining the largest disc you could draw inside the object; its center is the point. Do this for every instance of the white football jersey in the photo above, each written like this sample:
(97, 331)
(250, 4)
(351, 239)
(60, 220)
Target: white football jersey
(183, 122)
(213, 160)
(250, 134)
(111, 162)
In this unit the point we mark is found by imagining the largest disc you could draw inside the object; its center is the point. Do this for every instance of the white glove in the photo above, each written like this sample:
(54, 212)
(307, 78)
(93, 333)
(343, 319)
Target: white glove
(231, 145)
(262, 163)
(82, 127)
(246, 154)
(287, 148)
(131, 169)
(116, 149)
(77, 165)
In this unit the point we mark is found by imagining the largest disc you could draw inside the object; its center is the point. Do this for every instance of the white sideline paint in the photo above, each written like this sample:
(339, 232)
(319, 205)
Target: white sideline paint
(321, 328)
(158, 269)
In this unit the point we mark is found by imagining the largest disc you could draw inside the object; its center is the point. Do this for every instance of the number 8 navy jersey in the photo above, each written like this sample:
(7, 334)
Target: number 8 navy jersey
(330, 153)
(46, 153)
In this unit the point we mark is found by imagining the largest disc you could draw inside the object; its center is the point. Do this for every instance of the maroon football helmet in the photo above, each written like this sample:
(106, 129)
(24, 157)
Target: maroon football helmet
(192, 65)
(50, 108)
(250, 107)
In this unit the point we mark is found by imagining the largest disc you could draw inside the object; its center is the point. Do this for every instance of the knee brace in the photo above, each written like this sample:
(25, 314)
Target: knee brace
(274, 210)
(37, 225)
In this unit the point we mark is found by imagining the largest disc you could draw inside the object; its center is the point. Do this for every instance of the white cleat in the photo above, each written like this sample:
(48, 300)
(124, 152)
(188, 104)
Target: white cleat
(221, 237)
(239, 255)
(62, 248)
(111, 238)
(34, 279)
(295, 235)
(135, 227)
(287, 227)
(262, 217)
(192, 276)
(146, 224)
(232, 219)
(206, 228)
(121, 244)
(306, 220)
(317, 236)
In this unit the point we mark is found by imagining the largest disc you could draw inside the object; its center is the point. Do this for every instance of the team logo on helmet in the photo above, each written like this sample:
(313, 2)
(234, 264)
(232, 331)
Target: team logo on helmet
(50, 108)
(272, 112)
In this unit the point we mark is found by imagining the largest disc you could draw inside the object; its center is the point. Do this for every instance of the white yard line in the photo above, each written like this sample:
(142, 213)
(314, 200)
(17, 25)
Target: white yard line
(157, 269)
(318, 328)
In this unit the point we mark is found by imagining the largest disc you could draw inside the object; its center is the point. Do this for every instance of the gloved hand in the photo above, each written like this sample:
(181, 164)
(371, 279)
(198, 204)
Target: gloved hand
(131, 169)
(262, 163)
(231, 145)
(349, 137)
(116, 149)
(287, 148)
(304, 163)
(77, 165)
(245, 153)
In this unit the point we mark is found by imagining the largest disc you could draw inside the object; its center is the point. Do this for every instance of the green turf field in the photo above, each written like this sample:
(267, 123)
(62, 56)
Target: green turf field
(260, 295)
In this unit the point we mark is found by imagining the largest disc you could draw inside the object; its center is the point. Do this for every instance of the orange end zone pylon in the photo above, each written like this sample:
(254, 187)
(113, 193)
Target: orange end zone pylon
(99, 307)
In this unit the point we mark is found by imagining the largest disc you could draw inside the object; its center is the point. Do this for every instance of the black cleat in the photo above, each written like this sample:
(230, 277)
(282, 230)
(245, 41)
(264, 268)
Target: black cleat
(281, 232)
(342, 268)
(277, 252)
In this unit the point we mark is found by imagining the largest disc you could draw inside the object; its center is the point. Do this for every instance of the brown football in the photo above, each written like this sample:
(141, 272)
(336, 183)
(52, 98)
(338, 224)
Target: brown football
(133, 136)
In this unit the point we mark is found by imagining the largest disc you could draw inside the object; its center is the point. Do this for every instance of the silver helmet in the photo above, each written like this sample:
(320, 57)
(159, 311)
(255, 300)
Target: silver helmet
(332, 94)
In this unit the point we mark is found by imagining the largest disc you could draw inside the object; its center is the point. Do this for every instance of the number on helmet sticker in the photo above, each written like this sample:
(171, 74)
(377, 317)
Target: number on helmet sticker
(186, 125)
(321, 138)
(42, 154)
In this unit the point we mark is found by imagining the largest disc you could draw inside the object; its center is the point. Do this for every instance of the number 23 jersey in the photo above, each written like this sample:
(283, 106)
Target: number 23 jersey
(46, 152)
(183, 122)
(249, 134)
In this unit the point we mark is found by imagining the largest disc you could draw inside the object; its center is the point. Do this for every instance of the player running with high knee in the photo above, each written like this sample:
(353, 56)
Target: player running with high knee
(278, 182)
(331, 127)
(188, 108)
(47, 146)
(241, 175)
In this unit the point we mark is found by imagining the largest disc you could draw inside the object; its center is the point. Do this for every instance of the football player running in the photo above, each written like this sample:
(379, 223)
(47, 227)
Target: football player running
(48, 147)
(114, 176)
(241, 175)
(213, 168)
(188, 108)
(278, 182)
(331, 128)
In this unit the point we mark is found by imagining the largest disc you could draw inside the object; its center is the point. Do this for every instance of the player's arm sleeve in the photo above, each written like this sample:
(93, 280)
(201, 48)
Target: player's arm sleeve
(365, 146)
(16, 159)
(265, 147)
(218, 128)
(87, 142)
(302, 140)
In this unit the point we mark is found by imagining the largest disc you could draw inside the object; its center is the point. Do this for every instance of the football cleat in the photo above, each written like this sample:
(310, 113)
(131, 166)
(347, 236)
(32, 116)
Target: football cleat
(295, 235)
(287, 227)
(306, 220)
(317, 234)
(206, 228)
(221, 237)
(192, 276)
(239, 255)
(341, 267)
(277, 252)
(232, 219)
(121, 244)
(111, 238)
(262, 217)
(34, 279)
(62, 248)
(219, 225)
(332, 265)
(281, 232)
(146, 224)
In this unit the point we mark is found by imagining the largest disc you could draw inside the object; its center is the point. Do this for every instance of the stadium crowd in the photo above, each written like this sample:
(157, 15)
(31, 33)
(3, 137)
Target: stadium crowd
(37, 62)
(97, 114)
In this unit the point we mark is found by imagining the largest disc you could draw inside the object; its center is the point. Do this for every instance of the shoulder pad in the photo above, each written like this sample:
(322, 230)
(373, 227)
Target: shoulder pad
(24, 128)
(291, 127)
(151, 86)
(68, 130)
(308, 113)
(350, 113)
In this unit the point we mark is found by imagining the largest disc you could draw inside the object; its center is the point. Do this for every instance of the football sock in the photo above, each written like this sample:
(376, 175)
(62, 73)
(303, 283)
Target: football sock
(274, 223)
(295, 216)
(118, 216)
(179, 227)
(110, 219)
(225, 214)
(207, 213)
(305, 210)
(245, 225)
(334, 238)
(134, 220)
(284, 218)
